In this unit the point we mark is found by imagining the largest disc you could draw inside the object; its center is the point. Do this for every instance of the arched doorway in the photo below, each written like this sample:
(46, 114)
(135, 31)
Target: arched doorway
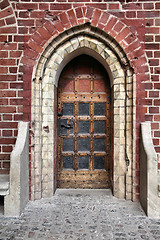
(84, 129)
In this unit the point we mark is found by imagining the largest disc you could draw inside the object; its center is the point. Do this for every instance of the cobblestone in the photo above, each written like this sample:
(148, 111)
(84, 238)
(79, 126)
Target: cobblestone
(80, 215)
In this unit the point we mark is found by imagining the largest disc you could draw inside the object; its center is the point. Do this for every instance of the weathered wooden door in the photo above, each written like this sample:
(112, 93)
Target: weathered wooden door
(83, 125)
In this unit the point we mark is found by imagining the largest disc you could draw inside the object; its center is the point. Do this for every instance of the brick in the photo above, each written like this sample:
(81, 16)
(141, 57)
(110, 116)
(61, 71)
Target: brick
(155, 141)
(9, 46)
(157, 102)
(7, 117)
(104, 18)
(3, 85)
(7, 93)
(60, 6)
(96, 16)
(2, 23)
(38, 14)
(18, 117)
(8, 77)
(27, 6)
(6, 164)
(153, 110)
(102, 6)
(157, 5)
(149, 22)
(149, 38)
(6, 12)
(148, 85)
(4, 4)
(110, 24)
(156, 118)
(157, 54)
(51, 28)
(3, 101)
(44, 6)
(72, 17)
(15, 54)
(3, 54)
(157, 22)
(16, 101)
(7, 62)
(64, 20)
(154, 126)
(148, 6)
(35, 46)
(131, 14)
(149, 54)
(29, 53)
(16, 85)
(157, 70)
(132, 6)
(8, 125)
(141, 14)
(153, 46)
(124, 33)
(6, 30)
(149, 118)
(3, 38)
(20, 93)
(44, 33)
(23, 30)
(152, 30)
(24, 14)
(7, 109)
(59, 27)
(10, 20)
(28, 22)
(118, 27)
(3, 70)
(7, 133)
(152, 14)
(79, 13)
(157, 38)
(154, 94)
(7, 148)
(157, 149)
(153, 62)
(113, 6)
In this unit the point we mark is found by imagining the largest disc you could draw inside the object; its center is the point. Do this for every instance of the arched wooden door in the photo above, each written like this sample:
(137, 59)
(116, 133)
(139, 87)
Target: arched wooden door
(83, 125)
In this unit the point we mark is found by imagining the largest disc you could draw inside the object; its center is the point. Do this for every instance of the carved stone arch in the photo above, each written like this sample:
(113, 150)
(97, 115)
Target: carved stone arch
(44, 106)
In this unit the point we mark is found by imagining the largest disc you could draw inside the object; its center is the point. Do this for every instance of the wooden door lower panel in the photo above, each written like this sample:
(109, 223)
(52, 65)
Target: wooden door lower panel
(95, 179)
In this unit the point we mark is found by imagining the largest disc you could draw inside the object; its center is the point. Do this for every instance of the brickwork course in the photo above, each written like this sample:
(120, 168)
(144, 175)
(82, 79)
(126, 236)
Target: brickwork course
(28, 26)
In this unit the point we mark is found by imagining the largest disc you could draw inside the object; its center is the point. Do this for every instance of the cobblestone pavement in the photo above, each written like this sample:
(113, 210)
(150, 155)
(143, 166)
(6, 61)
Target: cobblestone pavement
(80, 215)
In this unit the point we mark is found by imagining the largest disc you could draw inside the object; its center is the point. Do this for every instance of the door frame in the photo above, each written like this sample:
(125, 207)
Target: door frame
(44, 109)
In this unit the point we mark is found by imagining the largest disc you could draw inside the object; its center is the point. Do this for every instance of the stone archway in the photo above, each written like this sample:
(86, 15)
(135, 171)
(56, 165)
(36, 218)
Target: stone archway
(44, 109)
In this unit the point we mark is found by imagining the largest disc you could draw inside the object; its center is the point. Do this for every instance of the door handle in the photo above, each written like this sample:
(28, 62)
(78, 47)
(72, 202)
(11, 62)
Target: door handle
(67, 126)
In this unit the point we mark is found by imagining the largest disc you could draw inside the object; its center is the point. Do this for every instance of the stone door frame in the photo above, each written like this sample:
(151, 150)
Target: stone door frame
(79, 40)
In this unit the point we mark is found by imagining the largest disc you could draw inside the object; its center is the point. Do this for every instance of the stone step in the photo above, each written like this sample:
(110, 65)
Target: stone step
(4, 184)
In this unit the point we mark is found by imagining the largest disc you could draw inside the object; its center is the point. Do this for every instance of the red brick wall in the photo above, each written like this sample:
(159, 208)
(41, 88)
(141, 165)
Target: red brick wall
(19, 22)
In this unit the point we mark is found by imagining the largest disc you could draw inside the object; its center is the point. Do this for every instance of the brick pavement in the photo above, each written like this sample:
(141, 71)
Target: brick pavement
(80, 215)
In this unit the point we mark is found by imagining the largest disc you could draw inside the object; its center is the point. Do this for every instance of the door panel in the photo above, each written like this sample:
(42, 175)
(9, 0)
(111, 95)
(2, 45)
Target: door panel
(83, 125)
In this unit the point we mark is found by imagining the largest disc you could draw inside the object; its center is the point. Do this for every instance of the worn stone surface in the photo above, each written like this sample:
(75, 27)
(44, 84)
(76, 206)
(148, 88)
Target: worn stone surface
(149, 198)
(18, 196)
(81, 215)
